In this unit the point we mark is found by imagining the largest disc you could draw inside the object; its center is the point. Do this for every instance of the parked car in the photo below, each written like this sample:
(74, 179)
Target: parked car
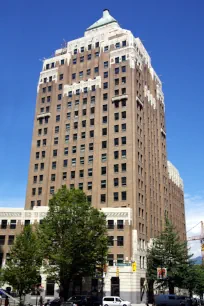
(80, 300)
(114, 301)
(169, 300)
(55, 302)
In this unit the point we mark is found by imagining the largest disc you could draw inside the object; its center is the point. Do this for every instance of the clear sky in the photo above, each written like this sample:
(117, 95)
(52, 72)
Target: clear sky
(172, 32)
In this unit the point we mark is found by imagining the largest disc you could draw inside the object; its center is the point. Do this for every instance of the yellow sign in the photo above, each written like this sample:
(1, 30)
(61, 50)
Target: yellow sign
(134, 267)
(117, 272)
(202, 247)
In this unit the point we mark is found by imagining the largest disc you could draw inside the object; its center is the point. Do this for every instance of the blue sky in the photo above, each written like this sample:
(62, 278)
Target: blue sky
(172, 32)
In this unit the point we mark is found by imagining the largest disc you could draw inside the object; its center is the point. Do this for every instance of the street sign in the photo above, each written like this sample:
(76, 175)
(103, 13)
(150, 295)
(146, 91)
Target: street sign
(117, 272)
(161, 273)
(134, 267)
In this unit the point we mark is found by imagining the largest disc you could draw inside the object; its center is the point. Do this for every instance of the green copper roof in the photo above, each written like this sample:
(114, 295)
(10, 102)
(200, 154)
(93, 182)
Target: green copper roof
(106, 19)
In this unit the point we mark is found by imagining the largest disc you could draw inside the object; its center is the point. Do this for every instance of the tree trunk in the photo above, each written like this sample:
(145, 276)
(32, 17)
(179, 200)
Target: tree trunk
(64, 289)
(171, 288)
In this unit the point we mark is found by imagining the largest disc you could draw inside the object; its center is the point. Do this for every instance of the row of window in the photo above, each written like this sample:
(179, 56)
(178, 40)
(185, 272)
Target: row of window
(119, 241)
(111, 261)
(10, 239)
(52, 65)
(97, 45)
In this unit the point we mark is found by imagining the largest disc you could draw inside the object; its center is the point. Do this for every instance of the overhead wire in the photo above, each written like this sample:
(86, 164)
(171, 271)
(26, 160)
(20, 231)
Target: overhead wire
(193, 227)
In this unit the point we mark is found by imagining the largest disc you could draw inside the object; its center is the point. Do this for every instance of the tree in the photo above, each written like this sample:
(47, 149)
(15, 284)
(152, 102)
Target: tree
(73, 238)
(22, 270)
(169, 252)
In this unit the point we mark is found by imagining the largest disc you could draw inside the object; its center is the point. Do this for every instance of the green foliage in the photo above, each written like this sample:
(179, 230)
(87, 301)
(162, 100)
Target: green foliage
(73, 238)
(169, 252)
(195, 280)
(22, 269)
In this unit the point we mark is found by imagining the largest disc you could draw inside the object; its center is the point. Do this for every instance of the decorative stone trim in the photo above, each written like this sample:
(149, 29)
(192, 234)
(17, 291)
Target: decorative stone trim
(83, 84)
(119, 98)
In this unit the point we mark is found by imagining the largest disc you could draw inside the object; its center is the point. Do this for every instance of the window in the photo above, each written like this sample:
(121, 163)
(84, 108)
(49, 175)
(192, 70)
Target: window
(116, 116)
(61, 77)
(123, 68)
(13, 224)
(54, 164)
(120, 224)
(105, 108)
(58, 107)
(35, 179)
(62, 62)
(105, 119)
(91, 134)
(90, 172)
(57, 118)
(11, 239)
(120, 240)
(43, 100)
(116, 154)
(105, 74)
(81, 186)
(96, 54)
(54, 153)
(74, 61)
(50, 287)
(123, 181)
(75, 51)
(57, 129)
(38, 143)
(70, 94)
(81, 74)
(104, 144)
(104, 157)
(116, 168)
(74, 136)
(105, 96)
(116, 141)
(60, 87)
(123, 93)
(110, 260)
(84, 114)
(92, 121)
(73, 76)
(66, 138)
(53, 176)
(124, 43)
(74, 149)
(90, 159)
(117, 60)
(73, 161)
(123, 153)
(85, 89)
(39, 132)
(89, 57)
(71, 186)
(110, 241)
(103, 184)
(83, 135)
(65, 151)
(3, 224)
(103, 198)
(78, 92)
(82, 148)
(105, 64)
(88, 72)
(93, 88)
(115, 196)
(120, 258)
(89, 185)
(40, 178)
(81, 173)
(97, 44)
(72, 174)
(105, 85)
(104, 131)
(123, 167)
(55, 140)
(117, 70)
(89, 47)
(37, 155)
(103, 170)
(116, 82)
(123, 140)
(45, 131)
(52, 189)
(42, 166)
(2, 239)
(117, 45)
(124, 195)
(59, 97)
(116, 182)
(96, 69)
(91, 147)
(81, 59)
(93, 98)
(123, 127)
(123, 115)
(110, 224)
(82, 49)
(123, 58)
(116, 128)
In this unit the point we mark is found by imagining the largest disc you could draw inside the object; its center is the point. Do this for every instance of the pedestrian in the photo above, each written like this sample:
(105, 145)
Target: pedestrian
(6, 301)
(41, 300)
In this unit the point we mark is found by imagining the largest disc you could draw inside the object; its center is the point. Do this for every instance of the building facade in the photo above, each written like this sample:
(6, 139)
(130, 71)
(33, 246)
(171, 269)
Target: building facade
(100, 126)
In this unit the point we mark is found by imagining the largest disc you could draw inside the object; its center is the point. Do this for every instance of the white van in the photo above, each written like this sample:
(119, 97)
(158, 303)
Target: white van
(114, 301)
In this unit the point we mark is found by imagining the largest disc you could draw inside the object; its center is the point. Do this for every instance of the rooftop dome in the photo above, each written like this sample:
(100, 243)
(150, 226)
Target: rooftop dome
(106, 19)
